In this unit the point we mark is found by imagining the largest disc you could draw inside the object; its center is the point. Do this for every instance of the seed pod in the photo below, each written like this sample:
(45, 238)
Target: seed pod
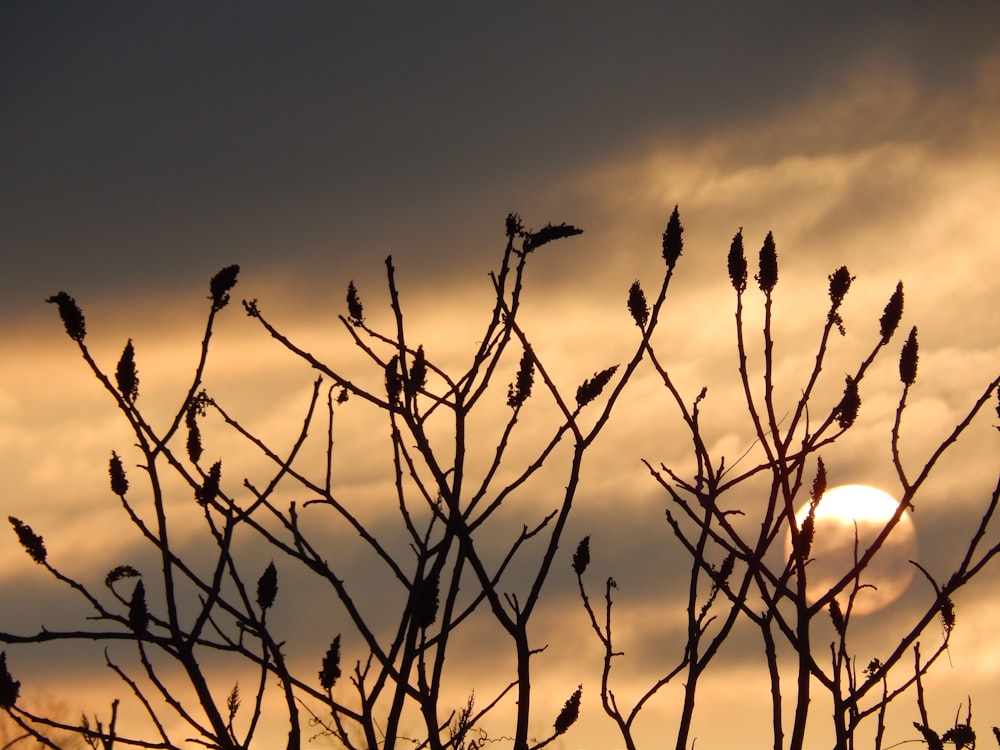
(138, 615)
(9, 687)
(330, 670)
(581, 558)
(850, 403)
(592, 387)
(519, 391)
(637, 305)
(738, 263)
(72, 316)
(33, 544)
(355, 310)
(908, 359)
(570, 712)
(267, 586)
(220, 285)
(673, 243)
(767, 276)
(119, 483)
(209, 490)
(892, 314)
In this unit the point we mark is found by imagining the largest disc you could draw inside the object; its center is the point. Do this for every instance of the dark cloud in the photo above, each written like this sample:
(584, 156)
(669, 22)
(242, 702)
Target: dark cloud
(151, 143)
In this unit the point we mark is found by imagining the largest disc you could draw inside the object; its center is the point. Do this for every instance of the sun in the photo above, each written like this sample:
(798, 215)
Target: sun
(841, 510)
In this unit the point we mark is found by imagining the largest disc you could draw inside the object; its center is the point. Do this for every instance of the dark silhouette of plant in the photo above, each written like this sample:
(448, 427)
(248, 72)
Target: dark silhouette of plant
(376, 681)
(739, 571)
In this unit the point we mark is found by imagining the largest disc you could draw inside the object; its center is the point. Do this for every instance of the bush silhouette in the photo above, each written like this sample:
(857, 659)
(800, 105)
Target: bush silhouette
(379, 680)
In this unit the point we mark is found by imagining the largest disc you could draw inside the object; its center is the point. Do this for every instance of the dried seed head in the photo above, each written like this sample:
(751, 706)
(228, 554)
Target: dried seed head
(126, 375)
(193, 433)
(220, 285)
(514, 226)
(948, 614)
(591, 388)
(33, 544)
(330, 669)
(850, 403)
(548, 233)
(343, 396)
(873, 666)
(233, 701)
(767, 275)
(837, 616)
(418, 373)
(908, 359)
(267, 586)
(819, 483)
(116, 574)
(519, 391)
(738, 263)
(209, 490)
(425, 603)
(637, 305)
(393, 381)
(961, 735)
(581, 558)
(840, 283)
(930, 736)
(355, 310)
(570, 712)
(673, 243)
(138, 615)
(72, 316)
(727, 567)
(804, 540)
(892, 315)
(119, 483)
(9, 687)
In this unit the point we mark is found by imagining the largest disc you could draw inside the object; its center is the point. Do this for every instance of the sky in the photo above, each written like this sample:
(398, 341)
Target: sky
(144, 147)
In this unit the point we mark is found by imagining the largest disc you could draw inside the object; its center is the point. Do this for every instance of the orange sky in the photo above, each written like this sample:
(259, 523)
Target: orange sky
(147, 150)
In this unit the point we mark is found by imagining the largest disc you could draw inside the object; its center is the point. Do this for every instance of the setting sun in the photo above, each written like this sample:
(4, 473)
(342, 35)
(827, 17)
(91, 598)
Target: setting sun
(862, 510)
